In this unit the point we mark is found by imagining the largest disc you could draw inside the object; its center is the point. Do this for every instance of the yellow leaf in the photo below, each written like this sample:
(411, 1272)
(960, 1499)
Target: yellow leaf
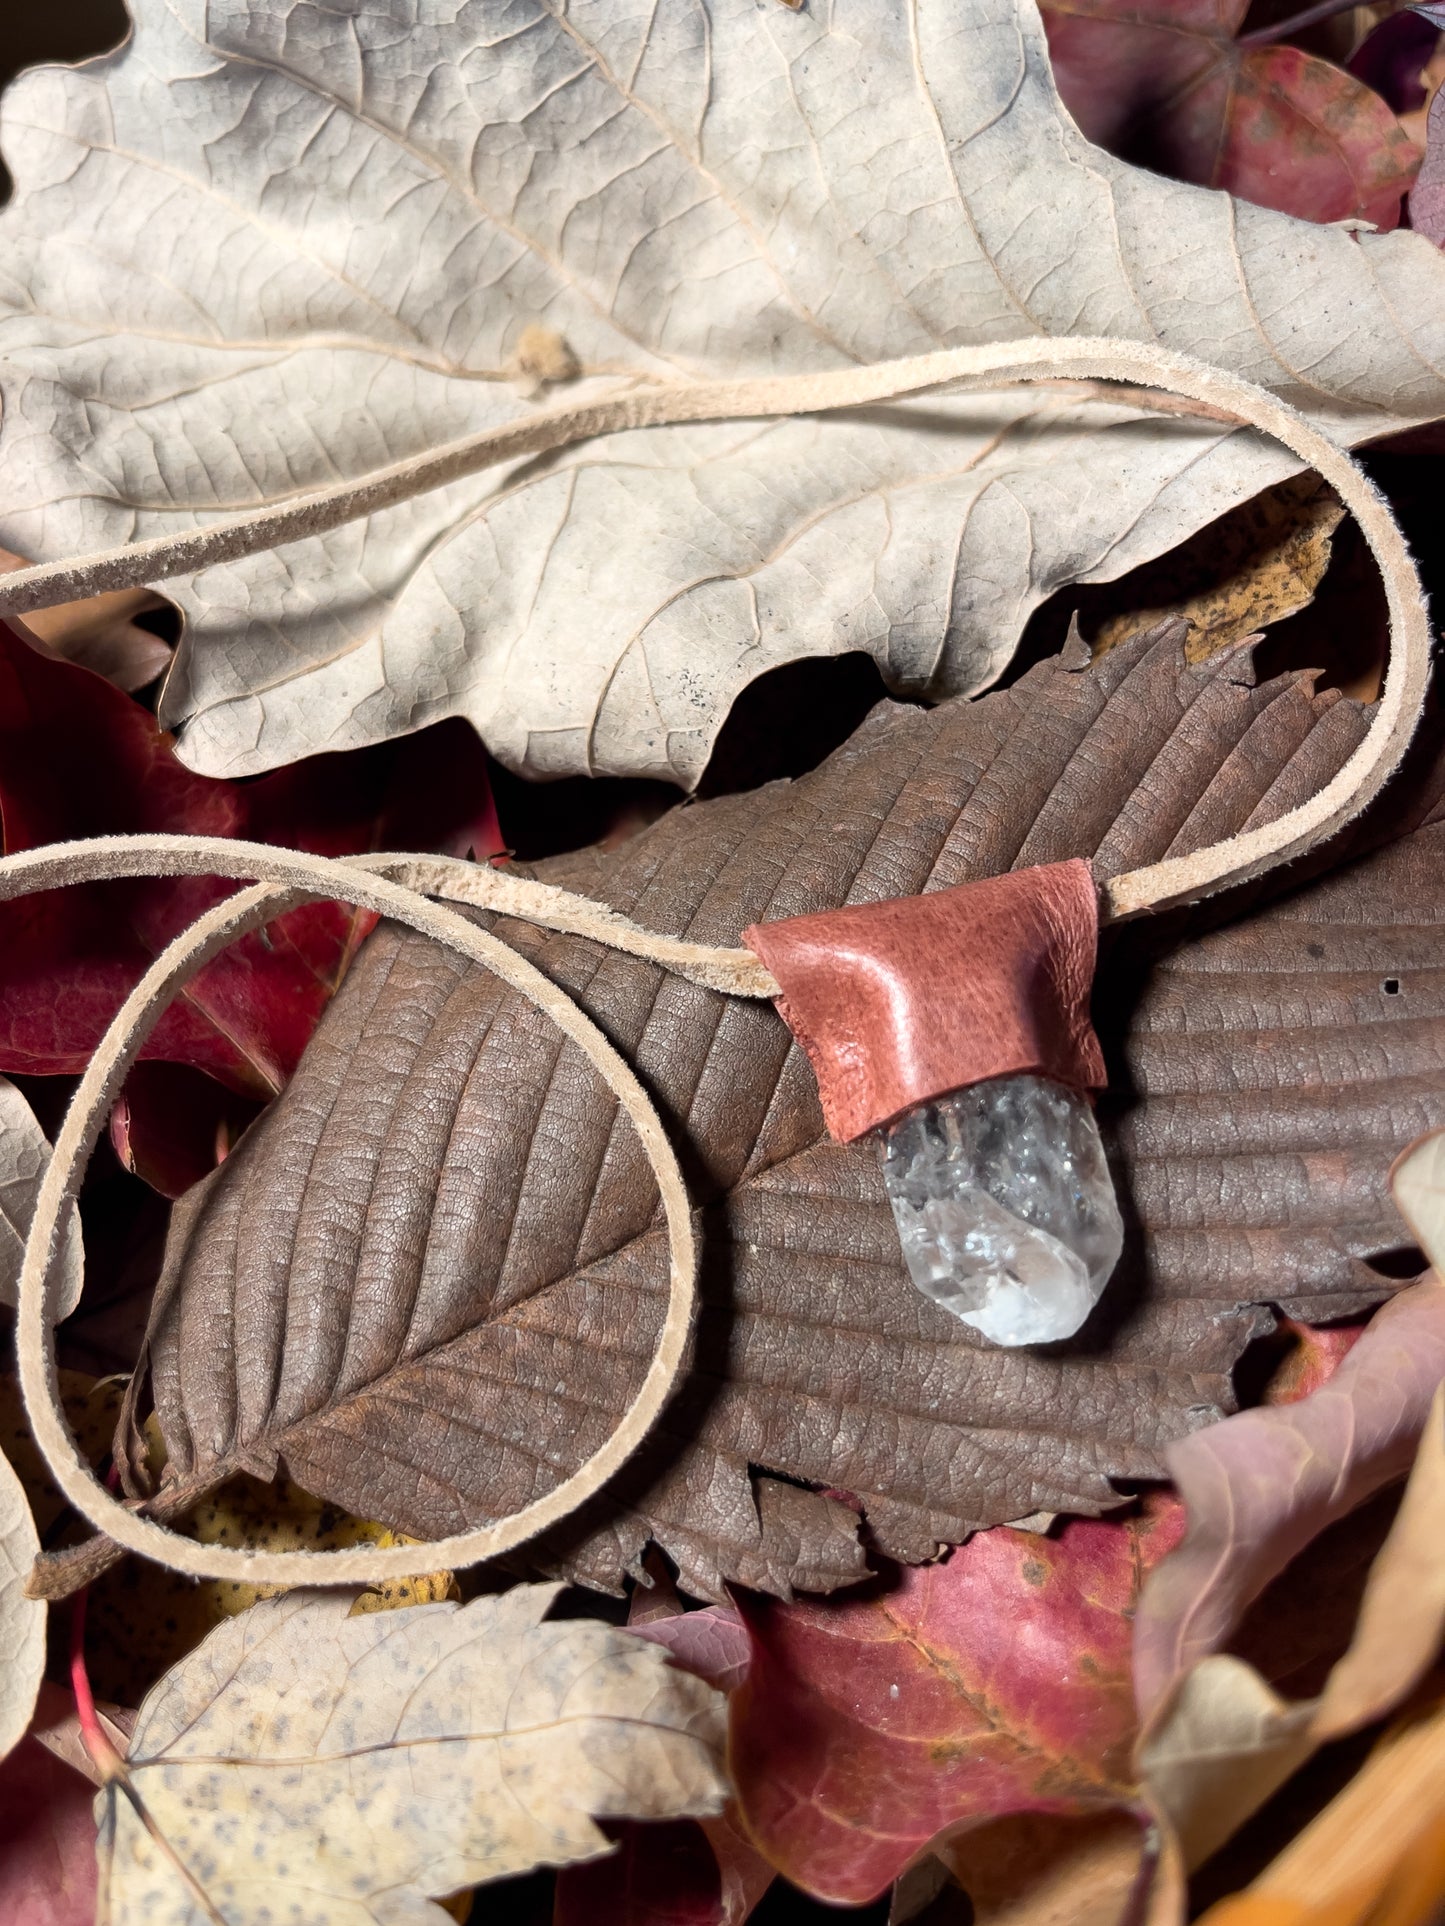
(1254, 567)
(141, 1619)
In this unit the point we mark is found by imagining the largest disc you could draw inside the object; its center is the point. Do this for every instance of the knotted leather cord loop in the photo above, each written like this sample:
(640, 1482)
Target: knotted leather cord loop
(1136, 363)
(291, 876)
(301, 877)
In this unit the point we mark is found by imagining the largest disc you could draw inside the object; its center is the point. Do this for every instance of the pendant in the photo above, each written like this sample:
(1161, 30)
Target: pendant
(954, 1027)
(1004, 1205)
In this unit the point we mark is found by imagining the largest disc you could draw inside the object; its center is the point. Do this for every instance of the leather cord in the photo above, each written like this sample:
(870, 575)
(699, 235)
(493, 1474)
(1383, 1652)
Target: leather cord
(400, 887)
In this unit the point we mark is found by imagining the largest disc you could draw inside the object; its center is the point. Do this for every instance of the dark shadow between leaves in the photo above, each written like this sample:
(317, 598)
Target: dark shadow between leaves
(790, 719)
(32, 36)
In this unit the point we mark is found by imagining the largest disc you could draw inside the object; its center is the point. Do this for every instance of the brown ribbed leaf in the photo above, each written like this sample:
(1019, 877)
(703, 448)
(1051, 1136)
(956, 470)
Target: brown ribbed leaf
(430, 1276)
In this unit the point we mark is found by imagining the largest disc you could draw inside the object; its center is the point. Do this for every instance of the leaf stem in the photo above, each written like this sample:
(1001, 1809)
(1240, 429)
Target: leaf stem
(111, 1767)
(103, 1755)
(1296, 23)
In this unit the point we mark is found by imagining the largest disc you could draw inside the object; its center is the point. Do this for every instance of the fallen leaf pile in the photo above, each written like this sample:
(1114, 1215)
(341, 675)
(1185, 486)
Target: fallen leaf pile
(1132, 1629)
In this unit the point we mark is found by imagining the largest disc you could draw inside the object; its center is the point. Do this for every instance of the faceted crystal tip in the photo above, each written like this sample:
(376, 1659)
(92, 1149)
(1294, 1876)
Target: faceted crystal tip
(1004, 1206)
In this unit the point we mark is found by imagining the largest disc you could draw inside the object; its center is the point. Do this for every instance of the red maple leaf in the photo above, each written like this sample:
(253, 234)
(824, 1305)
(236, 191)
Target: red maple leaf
(1166, 84)
(79, 758)
(996, 1682)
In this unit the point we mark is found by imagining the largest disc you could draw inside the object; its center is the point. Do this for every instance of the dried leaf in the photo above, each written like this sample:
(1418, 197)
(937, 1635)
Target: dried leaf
(1374, 1857)
(450, 1278)
(1259, 1487)
(78, 758)
(319, 1766)
(712, 1644)
(47, 1841)
(1313, 1357)
(172, 1125)
(22, 1619)
(143, 1619)
(100, 633)
(56, 1726)
(1229, 1741)
(24, 1154)
(141, 1622)
(658, 1873)
(1427, 197)
(1166, 83)
(255, 250)
(703, 1872)
(91, 1411)
(1392, 59)
(743, 1873)
(1225, 1741)
(1062, 1871)
(1418, 1181)
(1402, 1614)
(1261, 564)
(994, 1683)
(861, 1705)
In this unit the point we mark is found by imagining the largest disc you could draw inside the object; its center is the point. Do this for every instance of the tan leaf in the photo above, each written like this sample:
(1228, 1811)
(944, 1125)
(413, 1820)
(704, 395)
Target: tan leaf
(22, 1619)
(1227, 1740)
(1418, 1181)
(306, 1764)
(1052, 1870)
(24, 1153)
(260, 249)
(1256, 566)
(1374, 1857)
(1402, 1614)
(100, 633)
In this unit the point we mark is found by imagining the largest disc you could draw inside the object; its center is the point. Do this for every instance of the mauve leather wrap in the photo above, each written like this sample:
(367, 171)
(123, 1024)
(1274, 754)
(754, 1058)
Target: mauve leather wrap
(901, 1000)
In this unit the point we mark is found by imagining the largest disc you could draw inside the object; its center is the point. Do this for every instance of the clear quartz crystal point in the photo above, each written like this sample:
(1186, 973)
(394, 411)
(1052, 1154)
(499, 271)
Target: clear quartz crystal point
(1004, 1206)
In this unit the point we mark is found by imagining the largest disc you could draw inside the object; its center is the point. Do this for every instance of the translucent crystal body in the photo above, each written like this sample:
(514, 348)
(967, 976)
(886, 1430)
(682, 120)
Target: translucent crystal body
(1004, 1206)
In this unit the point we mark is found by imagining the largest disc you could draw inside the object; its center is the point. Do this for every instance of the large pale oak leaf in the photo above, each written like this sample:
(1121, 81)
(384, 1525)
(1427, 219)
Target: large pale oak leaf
(429, 1278)
(268, 245)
